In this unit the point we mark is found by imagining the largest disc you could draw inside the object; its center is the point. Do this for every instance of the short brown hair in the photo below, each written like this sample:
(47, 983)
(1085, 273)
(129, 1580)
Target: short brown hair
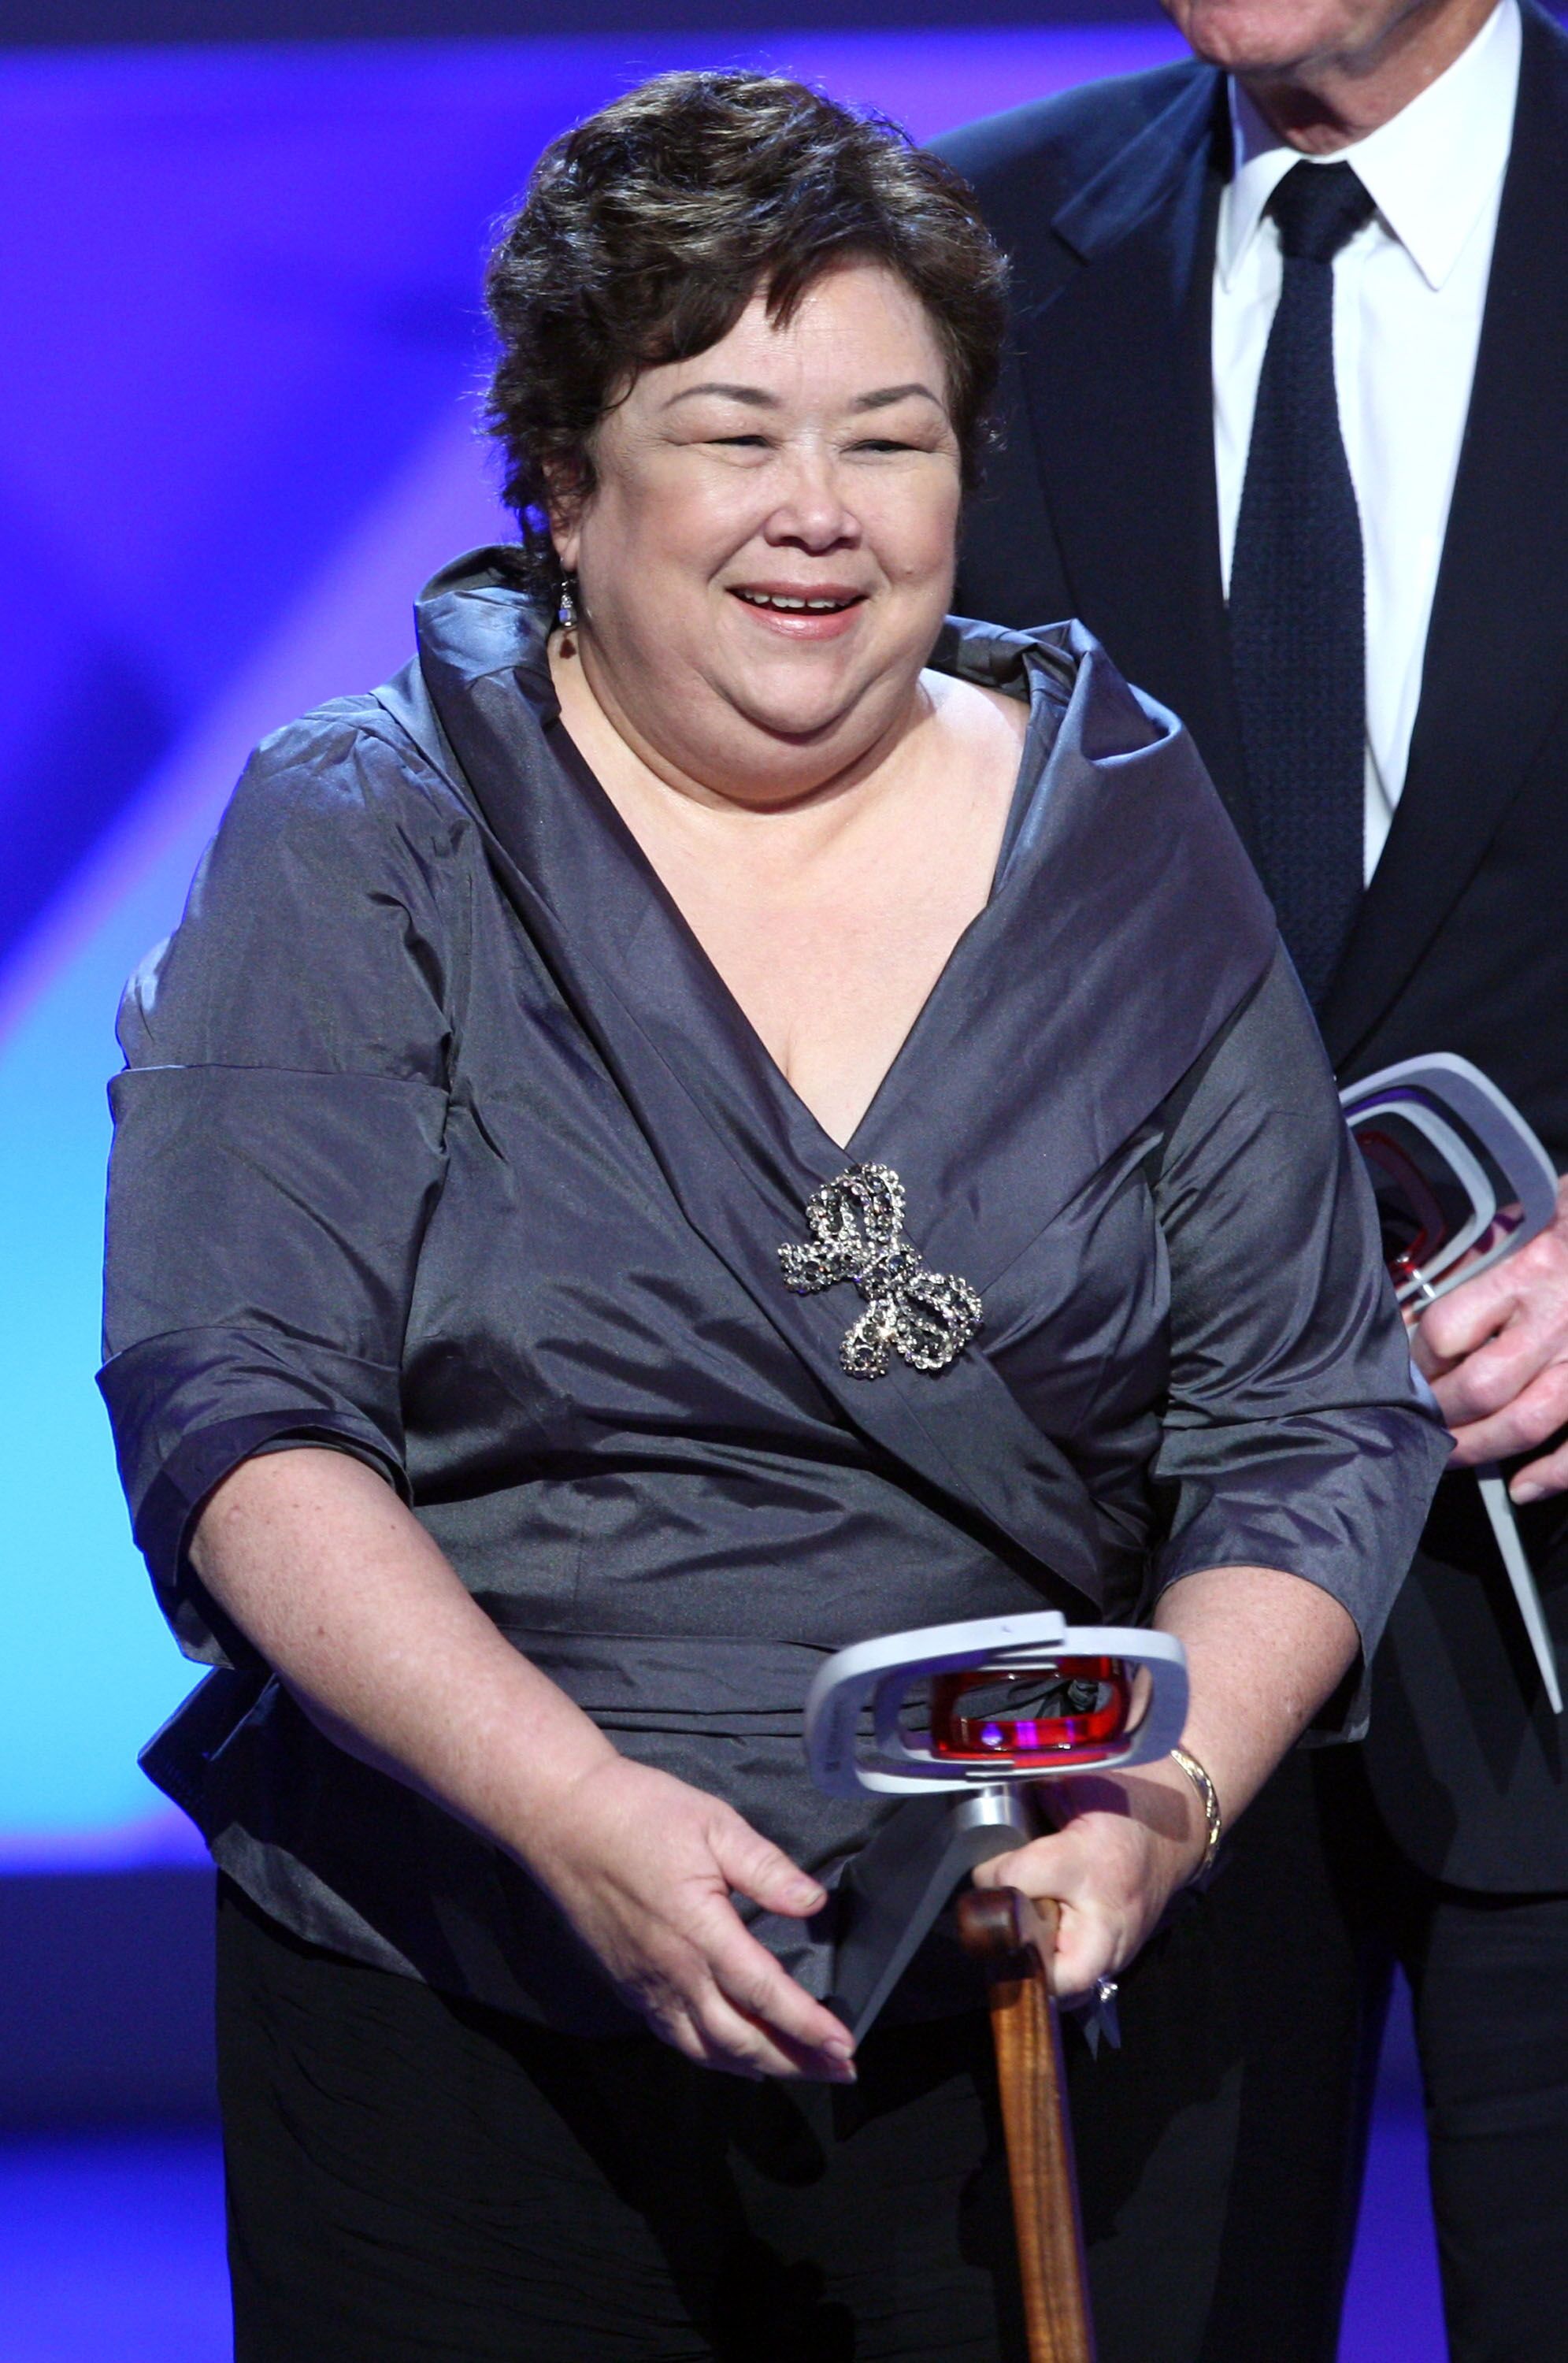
(648, 230)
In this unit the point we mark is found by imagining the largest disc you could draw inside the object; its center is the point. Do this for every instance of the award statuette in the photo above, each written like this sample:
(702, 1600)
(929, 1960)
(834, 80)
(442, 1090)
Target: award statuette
(1461, 1181)
(961, 1721)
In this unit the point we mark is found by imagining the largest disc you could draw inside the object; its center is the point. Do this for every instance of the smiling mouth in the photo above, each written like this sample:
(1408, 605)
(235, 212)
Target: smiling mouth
(782, 604)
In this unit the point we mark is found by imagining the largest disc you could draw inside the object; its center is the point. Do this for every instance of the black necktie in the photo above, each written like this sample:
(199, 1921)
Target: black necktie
(1297, 594)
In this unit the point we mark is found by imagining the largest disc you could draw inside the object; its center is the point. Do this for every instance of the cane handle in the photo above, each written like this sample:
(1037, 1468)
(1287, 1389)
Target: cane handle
(997, 1923)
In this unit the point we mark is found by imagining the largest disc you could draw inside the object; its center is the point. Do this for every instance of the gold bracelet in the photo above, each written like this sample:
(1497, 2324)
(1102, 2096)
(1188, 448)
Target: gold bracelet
(1213, 1819)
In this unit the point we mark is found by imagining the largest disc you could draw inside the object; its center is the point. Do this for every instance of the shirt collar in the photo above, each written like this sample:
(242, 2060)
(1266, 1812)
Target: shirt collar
(1430, 170)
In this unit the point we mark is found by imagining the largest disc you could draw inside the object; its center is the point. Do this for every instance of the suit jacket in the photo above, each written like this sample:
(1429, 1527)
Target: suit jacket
(1102, 504)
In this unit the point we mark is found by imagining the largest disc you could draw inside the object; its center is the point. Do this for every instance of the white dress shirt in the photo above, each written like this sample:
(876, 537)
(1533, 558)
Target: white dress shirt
(1408, 295)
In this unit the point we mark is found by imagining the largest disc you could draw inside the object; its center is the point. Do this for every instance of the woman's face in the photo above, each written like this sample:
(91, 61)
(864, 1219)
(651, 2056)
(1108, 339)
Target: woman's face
(767, 555)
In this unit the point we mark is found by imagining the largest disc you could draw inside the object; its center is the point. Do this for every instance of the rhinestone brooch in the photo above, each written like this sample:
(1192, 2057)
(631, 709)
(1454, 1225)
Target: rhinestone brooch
(857, 1225)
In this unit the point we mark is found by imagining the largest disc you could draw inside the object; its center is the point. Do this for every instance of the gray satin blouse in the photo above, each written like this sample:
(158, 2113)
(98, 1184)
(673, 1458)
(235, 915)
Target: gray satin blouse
(440, 1140)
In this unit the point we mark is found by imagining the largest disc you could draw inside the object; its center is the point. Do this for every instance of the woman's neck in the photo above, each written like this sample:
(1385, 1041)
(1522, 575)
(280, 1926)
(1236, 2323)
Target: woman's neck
(829, 918)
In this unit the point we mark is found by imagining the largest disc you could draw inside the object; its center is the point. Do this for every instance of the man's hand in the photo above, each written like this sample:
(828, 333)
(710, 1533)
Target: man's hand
(1496, 1350)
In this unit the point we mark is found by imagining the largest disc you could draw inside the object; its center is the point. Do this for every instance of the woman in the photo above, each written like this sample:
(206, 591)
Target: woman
(518, 1012)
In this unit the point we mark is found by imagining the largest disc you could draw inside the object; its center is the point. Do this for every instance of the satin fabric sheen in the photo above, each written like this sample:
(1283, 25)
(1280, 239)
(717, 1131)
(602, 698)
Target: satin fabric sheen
(440, 1141)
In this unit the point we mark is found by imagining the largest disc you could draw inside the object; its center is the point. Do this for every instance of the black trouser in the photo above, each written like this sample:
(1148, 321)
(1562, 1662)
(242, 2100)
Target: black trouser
(412, 2179)
(1218, 2147)
(415, 2177)
(1489, 1983)
(1311, 1932)
(1490, 1980)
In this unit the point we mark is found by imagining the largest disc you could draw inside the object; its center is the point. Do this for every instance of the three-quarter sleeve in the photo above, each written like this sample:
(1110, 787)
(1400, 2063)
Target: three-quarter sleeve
(279, 1139)
(1295, 1436)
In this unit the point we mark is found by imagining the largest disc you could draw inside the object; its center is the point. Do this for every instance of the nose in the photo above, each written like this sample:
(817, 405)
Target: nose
(812, 512)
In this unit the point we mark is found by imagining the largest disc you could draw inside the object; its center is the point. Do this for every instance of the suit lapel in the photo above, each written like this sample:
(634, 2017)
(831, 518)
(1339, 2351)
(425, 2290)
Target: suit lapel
(1124, 430)
(1496, 657)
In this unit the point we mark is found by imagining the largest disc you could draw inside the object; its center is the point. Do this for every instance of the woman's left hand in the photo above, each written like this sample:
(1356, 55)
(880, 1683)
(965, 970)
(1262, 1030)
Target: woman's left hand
(1127, 1842)
(1264, 1650)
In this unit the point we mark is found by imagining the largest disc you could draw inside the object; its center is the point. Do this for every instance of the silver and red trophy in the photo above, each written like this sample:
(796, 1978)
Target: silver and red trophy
(1461, 1181)
(964, 1723)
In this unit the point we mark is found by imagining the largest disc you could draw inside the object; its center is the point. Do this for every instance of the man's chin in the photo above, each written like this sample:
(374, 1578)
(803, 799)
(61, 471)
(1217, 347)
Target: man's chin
(1262, 41)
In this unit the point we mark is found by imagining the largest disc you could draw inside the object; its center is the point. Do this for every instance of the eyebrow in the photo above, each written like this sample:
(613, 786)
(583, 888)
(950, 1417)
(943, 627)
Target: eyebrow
(755, 397)
(887, 394)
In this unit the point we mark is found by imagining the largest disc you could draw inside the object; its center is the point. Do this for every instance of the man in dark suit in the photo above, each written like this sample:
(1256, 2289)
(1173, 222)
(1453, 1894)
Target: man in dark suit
(1294, 442)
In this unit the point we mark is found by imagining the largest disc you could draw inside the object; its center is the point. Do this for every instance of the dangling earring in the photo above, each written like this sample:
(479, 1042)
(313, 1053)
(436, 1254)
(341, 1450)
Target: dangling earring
(566, 610)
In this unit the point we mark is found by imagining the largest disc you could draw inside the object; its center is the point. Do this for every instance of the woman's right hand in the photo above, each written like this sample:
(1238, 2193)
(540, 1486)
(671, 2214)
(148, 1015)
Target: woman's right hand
(409, 1674)
(643, 1867)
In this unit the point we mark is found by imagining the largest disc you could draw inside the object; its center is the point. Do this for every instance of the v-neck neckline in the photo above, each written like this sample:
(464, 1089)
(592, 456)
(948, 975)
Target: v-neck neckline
(1044, 716)
(1110, 800)
(1003, 1100)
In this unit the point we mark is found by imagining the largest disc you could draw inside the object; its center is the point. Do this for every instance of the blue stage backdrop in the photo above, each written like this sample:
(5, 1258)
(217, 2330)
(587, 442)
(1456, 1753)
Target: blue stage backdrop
(243, 339)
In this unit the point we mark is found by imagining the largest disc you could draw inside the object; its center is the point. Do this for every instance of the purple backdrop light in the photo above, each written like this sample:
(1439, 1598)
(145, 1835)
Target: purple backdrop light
(235, 430)
(240, 291)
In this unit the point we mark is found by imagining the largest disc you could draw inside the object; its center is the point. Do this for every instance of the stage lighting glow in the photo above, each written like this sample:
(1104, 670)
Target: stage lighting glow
(242, 341)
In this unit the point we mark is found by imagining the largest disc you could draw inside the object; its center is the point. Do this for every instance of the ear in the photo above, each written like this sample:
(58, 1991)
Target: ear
(565, 500)
(567, 540)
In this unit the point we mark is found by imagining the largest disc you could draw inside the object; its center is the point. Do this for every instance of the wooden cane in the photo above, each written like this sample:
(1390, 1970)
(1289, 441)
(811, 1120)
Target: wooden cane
(1016, 1937)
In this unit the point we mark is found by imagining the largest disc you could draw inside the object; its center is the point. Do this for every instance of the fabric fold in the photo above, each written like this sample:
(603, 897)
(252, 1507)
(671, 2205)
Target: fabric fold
(442, 1142)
